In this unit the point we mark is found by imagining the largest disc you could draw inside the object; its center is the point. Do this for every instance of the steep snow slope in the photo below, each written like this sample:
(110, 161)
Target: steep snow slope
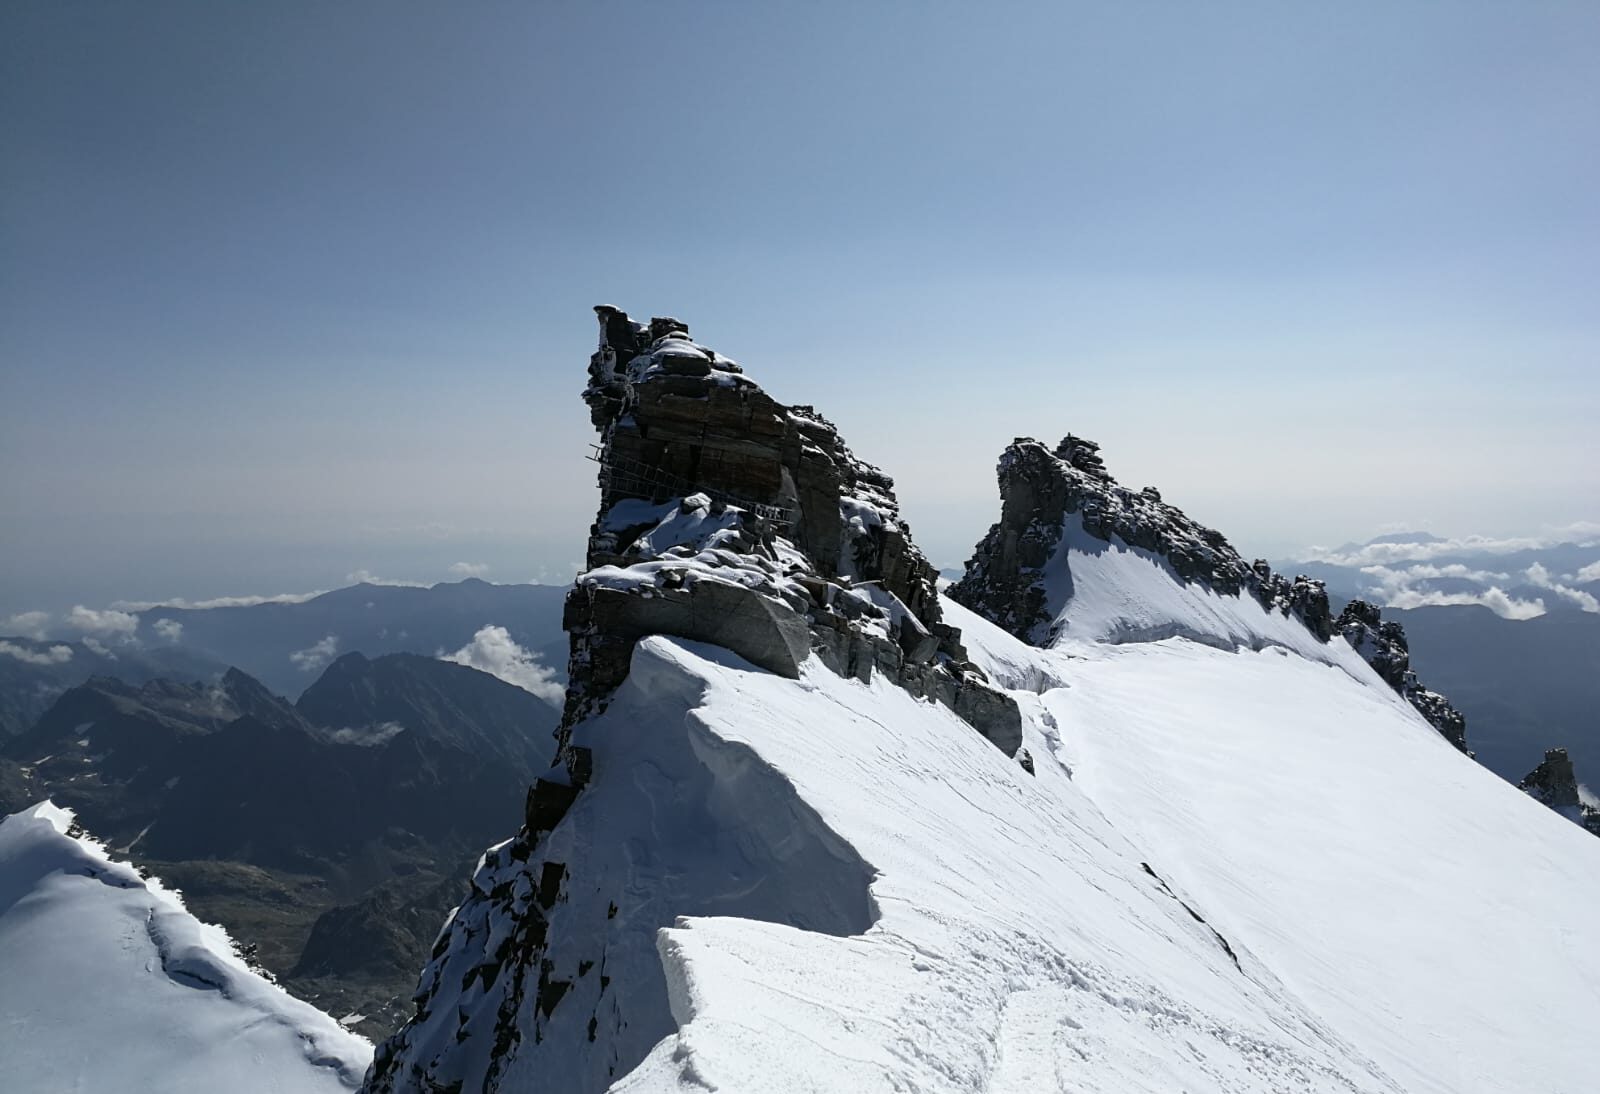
(1447, 925)
(108, 984)
(1199, 843)
(1404, 894)
(1107, 591)
(874, 898)
(1010, 940)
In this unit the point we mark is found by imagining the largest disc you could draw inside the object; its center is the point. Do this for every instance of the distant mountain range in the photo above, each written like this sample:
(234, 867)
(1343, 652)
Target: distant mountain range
(1508, 628)
(299, 826)
(283, 644)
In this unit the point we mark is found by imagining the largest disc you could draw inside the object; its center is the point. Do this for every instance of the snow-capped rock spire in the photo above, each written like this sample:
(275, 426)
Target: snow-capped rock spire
(1383, 644)
(726, 518)
(1555, 783)
(1007, 578)
(1077, 555)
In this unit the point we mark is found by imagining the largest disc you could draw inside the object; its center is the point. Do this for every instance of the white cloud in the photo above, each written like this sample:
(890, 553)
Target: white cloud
(469, 569)
(215, 602)
(109, 623)
(367, 577)
(1589, 573)
(317, 656)
(1538, 575)
(1396, 588)
(170, 629)
(493, 650)
(94, 645)
(54, 655)
(1390, 579)
(1495, 599)
(32, 625)
(366, 735)
(1584, 533)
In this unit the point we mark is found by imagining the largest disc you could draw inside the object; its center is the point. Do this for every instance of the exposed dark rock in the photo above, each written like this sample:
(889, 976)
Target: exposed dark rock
(1383, 645)
(1041, 489)
(728, 518)
(1555, 783)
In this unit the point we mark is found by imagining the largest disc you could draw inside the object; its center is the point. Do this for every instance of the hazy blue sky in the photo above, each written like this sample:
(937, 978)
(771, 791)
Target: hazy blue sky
(295, 290)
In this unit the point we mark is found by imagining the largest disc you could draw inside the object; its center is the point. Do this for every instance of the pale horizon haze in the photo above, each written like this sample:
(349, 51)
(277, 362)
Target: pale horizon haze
(294, 293)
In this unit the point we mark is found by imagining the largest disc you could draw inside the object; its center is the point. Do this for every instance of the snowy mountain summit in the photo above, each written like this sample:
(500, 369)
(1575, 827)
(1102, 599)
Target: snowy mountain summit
(1132, 815)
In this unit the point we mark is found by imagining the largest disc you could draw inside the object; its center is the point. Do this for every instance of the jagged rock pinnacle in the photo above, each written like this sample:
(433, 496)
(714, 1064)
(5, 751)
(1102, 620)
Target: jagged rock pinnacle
(1041, 488)
(727, 518)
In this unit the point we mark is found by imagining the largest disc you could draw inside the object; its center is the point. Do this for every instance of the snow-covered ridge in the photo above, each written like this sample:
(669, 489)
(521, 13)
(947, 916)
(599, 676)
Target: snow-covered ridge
(726, 518)
(110, 984)
(1078, 558)
(775, 856)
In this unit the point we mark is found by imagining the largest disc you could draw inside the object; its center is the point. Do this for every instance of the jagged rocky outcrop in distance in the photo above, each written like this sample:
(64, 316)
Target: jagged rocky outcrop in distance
(1041, 488)
(1554, 783)
(1383, 644)
(725, 517)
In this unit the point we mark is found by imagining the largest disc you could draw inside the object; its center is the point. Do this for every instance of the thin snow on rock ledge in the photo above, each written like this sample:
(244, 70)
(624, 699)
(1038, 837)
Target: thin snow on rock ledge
(107, 984)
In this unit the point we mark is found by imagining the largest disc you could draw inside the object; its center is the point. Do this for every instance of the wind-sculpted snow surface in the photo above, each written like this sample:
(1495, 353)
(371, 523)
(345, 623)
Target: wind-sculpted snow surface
(1004, 935)
(108, 984)
(1430, 913)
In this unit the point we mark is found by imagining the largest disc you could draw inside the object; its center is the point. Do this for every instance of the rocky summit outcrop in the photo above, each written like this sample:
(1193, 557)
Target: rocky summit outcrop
(1554, 783)
(1041, 488)
(726, 518)
(729, 518)
(1382, 643)
(1049, 495)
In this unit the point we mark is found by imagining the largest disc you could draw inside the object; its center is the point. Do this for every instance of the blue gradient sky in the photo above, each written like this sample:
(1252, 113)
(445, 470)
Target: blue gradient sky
(292, 291)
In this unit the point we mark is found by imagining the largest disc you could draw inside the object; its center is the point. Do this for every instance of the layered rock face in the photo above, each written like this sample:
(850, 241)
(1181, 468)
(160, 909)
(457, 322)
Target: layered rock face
(726, 518)
(729, 518)
(1555, 783)
(1040, 489)
(1383, 645)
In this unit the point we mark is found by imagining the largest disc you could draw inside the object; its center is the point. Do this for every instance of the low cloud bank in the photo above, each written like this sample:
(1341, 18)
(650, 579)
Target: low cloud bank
(366, 736)
(1582, 533)
(109, 623)
(1538, 575)
(215, 602)
(53, 655)
(32, 625)
(1495, 599)
(316, 657)
(494, 651)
